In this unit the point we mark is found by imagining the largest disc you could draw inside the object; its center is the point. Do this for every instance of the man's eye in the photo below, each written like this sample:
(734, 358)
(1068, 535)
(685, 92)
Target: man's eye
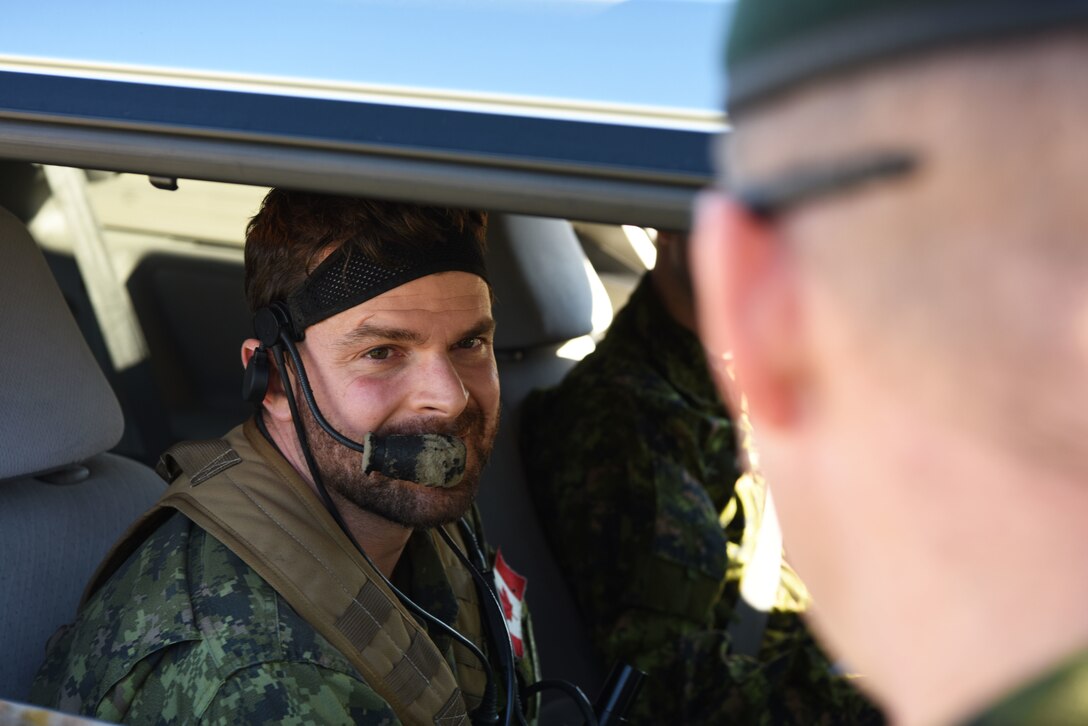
(377, 353)
(469, 343)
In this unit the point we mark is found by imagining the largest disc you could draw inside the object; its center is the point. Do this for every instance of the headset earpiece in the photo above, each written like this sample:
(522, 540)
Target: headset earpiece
(255, 379)
(269, 323)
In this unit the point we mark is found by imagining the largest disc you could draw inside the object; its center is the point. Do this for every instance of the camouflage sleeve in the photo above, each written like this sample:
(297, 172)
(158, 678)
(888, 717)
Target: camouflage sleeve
(674, 562)
(647, 558)
(642, 548)
(296, 694)
(789, 685)
(659, 631)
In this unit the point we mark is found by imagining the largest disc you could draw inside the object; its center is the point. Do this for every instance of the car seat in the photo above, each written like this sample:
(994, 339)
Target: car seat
(194, 316)
(63, 502)
(543, 299)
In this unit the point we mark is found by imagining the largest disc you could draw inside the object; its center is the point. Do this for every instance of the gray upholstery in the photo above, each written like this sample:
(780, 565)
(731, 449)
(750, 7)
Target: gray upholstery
(542, 298)
(53, 537)
(54, 527)
(538, 274)
(57, 407)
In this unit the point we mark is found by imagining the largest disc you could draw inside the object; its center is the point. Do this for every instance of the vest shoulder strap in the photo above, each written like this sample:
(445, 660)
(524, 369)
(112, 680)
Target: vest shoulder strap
(253, 501)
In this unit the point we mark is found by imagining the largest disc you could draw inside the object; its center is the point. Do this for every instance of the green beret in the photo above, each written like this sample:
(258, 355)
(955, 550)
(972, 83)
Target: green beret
(777, 44)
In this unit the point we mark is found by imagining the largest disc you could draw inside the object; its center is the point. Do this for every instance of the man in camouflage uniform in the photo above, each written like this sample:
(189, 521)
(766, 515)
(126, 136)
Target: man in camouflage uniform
(900, 274)
(184, 629)
(635, 470)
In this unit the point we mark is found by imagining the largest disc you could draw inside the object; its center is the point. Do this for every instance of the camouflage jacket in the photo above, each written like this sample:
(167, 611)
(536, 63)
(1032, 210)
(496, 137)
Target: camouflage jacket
(186, 632)
(633, 463)
(1058, 697)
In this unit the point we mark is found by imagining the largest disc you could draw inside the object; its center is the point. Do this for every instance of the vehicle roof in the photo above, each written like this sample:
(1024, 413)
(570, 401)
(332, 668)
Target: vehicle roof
(589, 109)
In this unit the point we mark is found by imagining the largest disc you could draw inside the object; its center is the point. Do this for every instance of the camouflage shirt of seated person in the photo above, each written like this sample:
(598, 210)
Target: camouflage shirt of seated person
(186, 632)
(634, 467)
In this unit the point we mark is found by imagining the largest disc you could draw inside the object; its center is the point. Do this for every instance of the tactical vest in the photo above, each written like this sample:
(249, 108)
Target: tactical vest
(246, 495)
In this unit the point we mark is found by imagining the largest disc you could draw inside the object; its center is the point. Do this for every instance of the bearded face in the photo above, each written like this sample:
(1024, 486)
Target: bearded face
(417, 359)
(407, 503)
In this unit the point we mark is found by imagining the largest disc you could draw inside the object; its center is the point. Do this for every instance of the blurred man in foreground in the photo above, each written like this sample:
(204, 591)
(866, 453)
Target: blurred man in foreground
(901, 274)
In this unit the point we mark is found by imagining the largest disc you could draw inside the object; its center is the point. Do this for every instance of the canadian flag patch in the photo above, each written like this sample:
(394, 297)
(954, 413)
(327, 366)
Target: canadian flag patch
(510, 588)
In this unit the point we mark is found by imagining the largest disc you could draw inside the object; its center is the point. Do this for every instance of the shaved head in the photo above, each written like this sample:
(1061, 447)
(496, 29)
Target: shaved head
(978, 296)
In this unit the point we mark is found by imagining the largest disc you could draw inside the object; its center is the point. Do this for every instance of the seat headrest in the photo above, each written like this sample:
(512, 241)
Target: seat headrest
(540, 277)
(57, 406)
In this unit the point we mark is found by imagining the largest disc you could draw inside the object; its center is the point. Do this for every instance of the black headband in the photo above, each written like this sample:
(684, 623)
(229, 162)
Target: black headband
(346, 277)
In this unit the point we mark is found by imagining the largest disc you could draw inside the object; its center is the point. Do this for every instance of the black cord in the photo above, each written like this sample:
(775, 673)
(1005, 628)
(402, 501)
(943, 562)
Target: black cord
(489, 700)
(308, 394)
(571, 690)
(304, 443)
(480, 574)
(476, 549)
(500, 637)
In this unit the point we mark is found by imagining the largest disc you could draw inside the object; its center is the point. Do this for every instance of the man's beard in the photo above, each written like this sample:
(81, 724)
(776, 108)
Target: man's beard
(406, 503)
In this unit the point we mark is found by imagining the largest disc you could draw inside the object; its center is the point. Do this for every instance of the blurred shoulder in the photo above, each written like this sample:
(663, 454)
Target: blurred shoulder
(1059, 697)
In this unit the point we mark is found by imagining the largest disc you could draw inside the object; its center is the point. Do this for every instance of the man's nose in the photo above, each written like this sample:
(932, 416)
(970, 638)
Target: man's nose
(438, 388)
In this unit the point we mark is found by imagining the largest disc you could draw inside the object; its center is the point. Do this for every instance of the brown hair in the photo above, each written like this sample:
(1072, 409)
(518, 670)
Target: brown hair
(294, 231)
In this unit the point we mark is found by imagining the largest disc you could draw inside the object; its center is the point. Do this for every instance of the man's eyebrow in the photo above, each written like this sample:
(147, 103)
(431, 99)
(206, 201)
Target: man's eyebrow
(485, 326)
(368, 333)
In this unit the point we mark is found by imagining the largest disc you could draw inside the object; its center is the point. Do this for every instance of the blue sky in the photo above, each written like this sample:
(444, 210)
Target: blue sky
(647, 52)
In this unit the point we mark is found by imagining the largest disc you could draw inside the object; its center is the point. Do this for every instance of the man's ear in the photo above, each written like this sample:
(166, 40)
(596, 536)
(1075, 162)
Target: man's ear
(275, 402)
(745, 308)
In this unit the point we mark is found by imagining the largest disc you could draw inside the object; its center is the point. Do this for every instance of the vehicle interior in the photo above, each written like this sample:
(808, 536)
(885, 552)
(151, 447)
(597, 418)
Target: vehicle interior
(126, 183)
(125, 302)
